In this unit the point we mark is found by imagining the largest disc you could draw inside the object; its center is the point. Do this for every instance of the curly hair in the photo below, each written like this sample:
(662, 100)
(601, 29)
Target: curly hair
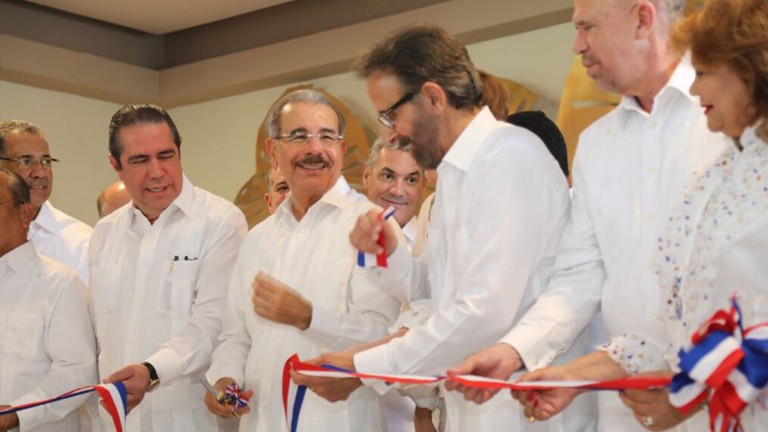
(734, 33)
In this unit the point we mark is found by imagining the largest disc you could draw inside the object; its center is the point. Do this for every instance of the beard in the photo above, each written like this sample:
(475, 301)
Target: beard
(426, 149)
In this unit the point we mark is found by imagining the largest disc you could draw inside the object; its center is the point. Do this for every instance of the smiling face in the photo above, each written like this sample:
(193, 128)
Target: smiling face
(151, 167)
(311, 168)
(604, 39)
(396, 180)
(410, 120)
(725, 97)
(38, 178)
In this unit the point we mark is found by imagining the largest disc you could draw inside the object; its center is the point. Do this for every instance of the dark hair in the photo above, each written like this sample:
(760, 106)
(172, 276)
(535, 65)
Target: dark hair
(421, 53)
(18, 188)
(309, 96)
(135, 114)
(538, 123)
(10, 126)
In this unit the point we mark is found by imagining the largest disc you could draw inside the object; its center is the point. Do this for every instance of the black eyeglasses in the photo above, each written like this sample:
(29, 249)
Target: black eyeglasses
(27, 162)
(385, 117)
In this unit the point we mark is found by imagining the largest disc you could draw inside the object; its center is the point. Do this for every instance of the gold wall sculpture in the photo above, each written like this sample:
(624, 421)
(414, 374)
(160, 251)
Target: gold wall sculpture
(250, 197)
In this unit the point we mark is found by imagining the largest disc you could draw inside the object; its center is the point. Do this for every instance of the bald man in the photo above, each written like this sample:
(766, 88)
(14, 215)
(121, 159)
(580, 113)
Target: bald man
(112, 198)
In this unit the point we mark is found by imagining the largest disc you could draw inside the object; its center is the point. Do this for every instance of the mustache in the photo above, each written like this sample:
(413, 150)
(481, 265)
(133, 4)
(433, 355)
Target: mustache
(313, 159)
(38, 182)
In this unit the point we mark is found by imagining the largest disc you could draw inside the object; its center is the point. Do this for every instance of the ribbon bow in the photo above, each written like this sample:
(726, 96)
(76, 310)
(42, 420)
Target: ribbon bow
(726, 367)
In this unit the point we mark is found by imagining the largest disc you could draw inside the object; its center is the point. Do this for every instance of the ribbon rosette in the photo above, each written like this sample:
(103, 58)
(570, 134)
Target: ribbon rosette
(726, 367)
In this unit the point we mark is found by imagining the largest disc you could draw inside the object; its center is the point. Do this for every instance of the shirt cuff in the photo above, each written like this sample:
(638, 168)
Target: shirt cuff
(390, 276)
(323, 323)
(167, 363)
(532, 351)
(374, 361)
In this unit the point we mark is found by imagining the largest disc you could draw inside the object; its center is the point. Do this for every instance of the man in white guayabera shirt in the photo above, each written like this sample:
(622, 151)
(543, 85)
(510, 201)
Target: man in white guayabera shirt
(296, 287)
(47, 346)
(25, 151)
(159, 272)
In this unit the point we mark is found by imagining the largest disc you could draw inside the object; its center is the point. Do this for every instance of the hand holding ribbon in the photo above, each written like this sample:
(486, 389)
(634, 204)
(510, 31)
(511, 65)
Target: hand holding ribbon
(369, 235)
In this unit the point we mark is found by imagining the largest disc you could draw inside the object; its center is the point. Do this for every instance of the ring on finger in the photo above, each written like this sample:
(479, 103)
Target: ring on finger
(648, 421)
(531, 419)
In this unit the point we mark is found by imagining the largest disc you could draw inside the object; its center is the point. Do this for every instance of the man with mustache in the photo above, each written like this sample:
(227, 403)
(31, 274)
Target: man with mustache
(159, 271)
(629, 172)
(296, 287)
(24, 150)
(393, 178)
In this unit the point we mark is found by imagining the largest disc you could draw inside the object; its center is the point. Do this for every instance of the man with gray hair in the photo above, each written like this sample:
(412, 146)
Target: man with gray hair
(393, 178)
(277, 190)
(295, 287)
(24, 150)
(46, 336)
(628, 174)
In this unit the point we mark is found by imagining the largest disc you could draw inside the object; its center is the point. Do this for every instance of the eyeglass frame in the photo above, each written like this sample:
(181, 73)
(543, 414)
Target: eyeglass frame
(45, 165)
(284, 137)
(384, 116)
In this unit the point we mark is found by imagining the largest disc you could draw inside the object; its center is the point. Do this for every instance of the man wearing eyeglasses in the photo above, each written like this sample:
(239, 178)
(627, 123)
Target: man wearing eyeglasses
(24, 150)
(47, 345)
(159, 271)
(500, 207)
(295, 286)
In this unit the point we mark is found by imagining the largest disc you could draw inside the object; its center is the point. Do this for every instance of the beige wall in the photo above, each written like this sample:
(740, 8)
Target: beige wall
(219, 136)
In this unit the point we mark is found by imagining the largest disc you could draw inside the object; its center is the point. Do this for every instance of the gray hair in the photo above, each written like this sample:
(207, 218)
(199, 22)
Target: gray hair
(23, 126)
(18, 188)
(309, 96)
(402, 143)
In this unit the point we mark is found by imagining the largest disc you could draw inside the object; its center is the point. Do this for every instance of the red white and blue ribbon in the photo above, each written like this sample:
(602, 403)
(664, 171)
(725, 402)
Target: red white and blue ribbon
(366, 260)
(293, 396)
(726, 367)
(113, 395)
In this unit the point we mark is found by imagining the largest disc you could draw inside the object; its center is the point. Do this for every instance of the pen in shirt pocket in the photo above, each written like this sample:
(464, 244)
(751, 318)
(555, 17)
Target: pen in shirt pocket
(173, 262)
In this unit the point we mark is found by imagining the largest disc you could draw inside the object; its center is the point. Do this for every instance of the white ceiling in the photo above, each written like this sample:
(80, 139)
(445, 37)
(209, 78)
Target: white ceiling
(159, 16)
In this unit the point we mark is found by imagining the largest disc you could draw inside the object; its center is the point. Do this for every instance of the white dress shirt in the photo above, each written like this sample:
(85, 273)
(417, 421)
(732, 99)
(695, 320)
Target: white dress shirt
(61, 237)
(314, 257)
(159, 294)
(501, 203)
(47, 346)
(628, 173)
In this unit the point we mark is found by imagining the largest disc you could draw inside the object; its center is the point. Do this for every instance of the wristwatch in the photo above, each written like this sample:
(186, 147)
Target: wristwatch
(154, 380)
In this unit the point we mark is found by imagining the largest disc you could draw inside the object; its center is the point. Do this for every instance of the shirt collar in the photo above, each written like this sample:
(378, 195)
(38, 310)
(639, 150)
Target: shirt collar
(678, 85)
(45, 219)
(336, 196)
(18, 259)
(410, 229)
(464, 149)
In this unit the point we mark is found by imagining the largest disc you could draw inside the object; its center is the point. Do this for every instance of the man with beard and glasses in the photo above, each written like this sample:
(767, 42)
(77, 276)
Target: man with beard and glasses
(24, 150)
(500, 206)
(159, 272)
(296, 287)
